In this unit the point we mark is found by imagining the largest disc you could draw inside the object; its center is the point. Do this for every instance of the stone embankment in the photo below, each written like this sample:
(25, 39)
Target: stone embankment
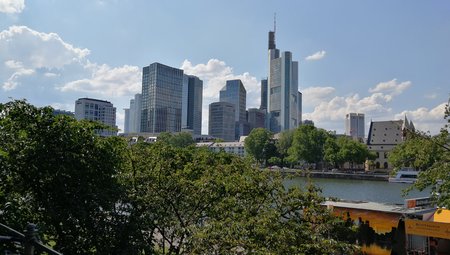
(337, 175)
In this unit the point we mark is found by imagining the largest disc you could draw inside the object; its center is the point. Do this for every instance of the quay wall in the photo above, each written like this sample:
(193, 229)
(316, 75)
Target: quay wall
(337, 175)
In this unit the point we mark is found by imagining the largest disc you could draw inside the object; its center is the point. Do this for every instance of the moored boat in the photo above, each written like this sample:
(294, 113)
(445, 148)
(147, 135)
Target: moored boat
(405, 175)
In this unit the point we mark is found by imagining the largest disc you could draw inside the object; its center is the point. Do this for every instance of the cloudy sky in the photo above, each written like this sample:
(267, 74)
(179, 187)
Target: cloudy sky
(382, 58)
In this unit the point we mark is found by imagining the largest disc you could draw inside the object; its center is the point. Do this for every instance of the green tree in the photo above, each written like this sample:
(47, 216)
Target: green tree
(56, 172)
(183, 139)
(431, 155)
(193, 201)
(308, 144)
(331, 151)
(284, 143)
(94, 195)
(352, 151)
(258, 144)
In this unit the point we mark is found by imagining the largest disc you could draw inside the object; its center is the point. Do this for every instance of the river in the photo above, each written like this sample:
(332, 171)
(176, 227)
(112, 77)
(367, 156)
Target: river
(361, 190)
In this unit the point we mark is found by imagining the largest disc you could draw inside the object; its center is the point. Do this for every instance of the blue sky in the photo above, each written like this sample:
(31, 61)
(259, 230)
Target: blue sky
(382, 58)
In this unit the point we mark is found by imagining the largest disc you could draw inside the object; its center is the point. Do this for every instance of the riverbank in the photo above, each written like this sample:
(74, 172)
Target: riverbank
(337, 175)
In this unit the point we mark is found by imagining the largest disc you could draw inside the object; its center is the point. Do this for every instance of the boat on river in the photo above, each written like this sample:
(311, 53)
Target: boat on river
(405, 175)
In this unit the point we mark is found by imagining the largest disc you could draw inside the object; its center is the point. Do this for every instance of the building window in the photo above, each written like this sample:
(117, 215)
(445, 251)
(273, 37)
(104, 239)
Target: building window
(377, 165)
(385, 165)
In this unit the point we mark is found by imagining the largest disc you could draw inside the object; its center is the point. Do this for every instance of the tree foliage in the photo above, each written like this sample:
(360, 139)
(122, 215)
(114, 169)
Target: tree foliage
(55, 171)
(194, 201)
(259, 145)
(308, 144)
(352, 151)
(183, 139)
(431, 155)
(96, 195)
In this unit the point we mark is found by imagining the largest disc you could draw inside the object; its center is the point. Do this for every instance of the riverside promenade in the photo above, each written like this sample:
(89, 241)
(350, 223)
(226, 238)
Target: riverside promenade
(336, 175)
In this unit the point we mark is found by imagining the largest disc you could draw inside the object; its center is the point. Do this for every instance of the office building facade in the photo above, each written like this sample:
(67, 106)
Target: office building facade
(191, 116)
(234, 92)
(97, 110)
(355, 126)
(283, 97)
(263, 105)
(133, 115)
(162, 88)
(222, 121)
(255, 118)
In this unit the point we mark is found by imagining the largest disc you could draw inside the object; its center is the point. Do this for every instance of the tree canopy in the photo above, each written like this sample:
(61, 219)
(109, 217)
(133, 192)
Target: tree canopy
(307, 144)
(97, 195)
(55, 171)
(430, 155)
(259, 144)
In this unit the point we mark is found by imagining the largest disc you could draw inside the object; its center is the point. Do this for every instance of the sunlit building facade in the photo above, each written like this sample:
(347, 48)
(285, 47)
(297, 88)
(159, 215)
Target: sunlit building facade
(162, 88)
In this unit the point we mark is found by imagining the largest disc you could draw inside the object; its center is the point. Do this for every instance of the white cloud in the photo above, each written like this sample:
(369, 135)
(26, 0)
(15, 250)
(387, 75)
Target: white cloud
(313, 95)
(214, 74)
(46, 70)
(329, 109)
(19, 71)
(425, 119)
(391, 87)
(108, 82)
(38, 50)
(316, 56)
(12, 6)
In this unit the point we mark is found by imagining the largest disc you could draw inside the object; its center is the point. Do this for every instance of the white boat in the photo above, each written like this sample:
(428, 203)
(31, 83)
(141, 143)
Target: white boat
(405, 175)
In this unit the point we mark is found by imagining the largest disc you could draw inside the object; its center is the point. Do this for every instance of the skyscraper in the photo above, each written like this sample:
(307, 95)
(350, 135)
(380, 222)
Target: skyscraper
(221, 120)
(255, 118)
(234, 92)
(133, 115)
(355, 126)
(162, 88)
(191, 116)
(283, 99)
(263, 105)
(97, 110)
(126, 123)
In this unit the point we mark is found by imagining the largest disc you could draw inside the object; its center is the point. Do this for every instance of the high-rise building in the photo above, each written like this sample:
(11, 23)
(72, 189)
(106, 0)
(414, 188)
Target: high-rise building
(191, 115)
(255, 118)
(126, 123)
(162, 88)
(283, 97)
(263, 105)
(133, 115)
(355, 126)
(221, 120)
(234, 92)
(97, 110)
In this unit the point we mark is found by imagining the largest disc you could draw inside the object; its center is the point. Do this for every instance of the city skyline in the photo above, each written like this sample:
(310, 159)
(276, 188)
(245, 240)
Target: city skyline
(382, 59)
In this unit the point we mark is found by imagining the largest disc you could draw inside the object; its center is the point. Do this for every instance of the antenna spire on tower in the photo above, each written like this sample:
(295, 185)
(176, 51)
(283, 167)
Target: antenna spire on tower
(274, 22)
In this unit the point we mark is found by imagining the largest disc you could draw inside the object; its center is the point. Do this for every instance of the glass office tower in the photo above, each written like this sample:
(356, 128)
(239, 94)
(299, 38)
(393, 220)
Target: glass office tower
(161, 98)
(283, 99)
(191, 116)
(234, 92)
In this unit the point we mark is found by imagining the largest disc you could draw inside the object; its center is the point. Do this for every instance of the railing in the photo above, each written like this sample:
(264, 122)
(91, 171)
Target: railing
(29, 240)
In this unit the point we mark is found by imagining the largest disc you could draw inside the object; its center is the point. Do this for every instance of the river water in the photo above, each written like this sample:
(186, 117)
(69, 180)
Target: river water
(361, 190)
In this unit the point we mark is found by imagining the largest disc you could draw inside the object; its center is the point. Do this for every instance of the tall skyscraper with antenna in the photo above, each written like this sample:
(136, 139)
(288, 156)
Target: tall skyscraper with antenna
(283, 97)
